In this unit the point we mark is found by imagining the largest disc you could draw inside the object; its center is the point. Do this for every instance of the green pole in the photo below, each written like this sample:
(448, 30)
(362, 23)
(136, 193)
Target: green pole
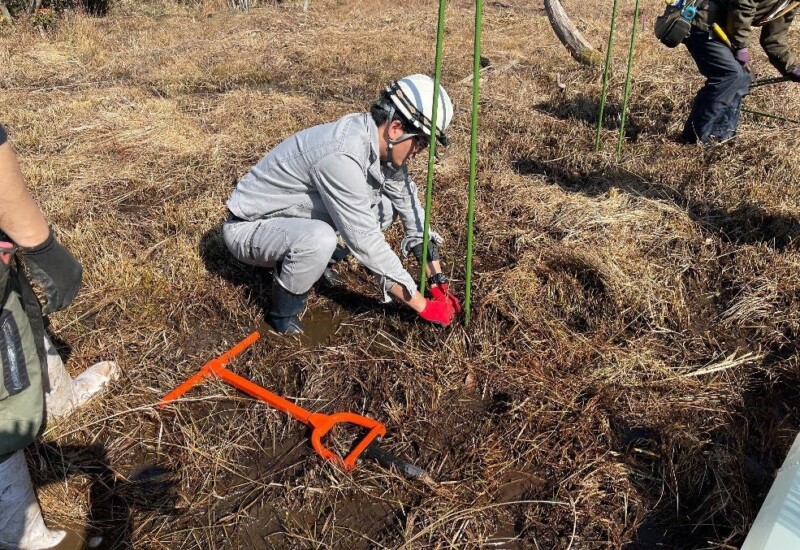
(605, 76)
(432, 152)
(473, 155)
(768, 81)
(776, 117)
(621, 138)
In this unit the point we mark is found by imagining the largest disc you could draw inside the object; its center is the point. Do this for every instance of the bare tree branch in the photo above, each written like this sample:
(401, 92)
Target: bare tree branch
(4, 13)
(570, 36)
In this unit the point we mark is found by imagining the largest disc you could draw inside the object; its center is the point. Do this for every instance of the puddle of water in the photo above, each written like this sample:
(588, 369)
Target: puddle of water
(286, 455)
(75, 539)
(517, 484)
(321, 324)
(354, 521)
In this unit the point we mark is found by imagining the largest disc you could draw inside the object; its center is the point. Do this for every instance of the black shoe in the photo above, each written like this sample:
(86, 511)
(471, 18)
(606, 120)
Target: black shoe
(331, 279)
(339, 253)
(286, 309)
(714, 142)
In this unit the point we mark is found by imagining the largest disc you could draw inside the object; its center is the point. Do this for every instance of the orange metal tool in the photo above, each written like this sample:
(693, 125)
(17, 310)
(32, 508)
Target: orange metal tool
(320, 423)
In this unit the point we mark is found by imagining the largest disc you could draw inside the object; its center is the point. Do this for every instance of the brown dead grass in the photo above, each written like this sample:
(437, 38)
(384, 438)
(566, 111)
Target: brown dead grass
(630, 373)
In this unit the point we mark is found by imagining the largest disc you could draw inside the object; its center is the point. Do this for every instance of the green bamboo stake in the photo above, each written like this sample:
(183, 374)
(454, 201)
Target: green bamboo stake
(605, 76)
(437, 77)
(473, 155)
(768, 81)
(627, 95)
(776, 117)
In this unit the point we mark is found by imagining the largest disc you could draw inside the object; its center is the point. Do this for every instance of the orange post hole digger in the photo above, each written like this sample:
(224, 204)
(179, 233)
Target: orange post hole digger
(319, 423)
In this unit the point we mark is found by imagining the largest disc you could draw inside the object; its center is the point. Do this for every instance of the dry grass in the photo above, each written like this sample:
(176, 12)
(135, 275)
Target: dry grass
(631, 370)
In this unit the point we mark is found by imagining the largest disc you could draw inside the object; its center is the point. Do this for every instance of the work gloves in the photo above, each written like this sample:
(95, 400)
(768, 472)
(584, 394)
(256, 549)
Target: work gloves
(441, 293)
(742, 55)
(56, 269)
(440, 313)
(794, 74)
(433, 252)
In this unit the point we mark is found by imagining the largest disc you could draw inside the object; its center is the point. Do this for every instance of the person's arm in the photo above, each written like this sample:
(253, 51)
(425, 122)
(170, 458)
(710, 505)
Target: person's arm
(740, 22)
(404, 196)
(20, 216)
(440, 312)
(415, 301)
(343, 188)
(47, 262)
(775, 41)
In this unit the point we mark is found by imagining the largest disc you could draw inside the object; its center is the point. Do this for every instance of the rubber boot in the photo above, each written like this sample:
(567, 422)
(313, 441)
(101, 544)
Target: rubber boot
(286, 309)
(66, 394)
(21, 524)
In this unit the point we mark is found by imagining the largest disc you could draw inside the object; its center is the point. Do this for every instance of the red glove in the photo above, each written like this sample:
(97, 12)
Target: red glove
(441, 293)
(440, 313)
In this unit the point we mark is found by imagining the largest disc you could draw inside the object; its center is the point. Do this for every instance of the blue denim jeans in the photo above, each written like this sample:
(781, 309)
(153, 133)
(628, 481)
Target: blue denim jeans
(716, 108)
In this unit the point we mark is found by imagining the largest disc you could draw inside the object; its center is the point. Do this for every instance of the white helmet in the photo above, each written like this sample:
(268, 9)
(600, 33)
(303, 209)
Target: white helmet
(413, 97)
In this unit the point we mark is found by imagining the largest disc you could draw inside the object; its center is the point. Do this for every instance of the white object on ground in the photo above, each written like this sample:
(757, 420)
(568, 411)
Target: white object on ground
(66, 394)
(21, 524)
(777, 526)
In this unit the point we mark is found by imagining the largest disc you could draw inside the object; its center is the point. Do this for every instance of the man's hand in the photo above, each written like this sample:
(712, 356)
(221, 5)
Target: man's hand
(742, 55)
(440, 313)
(56, 269)
(794, 74)
(441, 293)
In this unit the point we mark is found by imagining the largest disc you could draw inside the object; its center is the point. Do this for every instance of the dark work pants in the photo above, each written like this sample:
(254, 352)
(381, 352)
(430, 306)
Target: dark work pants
(715, 113)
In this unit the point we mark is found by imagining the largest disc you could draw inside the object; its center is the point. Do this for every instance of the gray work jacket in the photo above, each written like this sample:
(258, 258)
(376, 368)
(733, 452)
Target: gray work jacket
(332, 172)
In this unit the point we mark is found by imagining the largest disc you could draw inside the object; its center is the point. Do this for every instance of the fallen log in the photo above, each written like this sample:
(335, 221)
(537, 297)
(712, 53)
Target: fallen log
(570, 36)
(4, 14)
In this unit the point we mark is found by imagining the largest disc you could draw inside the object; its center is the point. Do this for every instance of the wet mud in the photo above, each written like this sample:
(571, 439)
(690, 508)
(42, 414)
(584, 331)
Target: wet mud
(320, 324)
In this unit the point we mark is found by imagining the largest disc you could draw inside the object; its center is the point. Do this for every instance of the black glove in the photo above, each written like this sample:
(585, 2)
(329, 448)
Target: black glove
(56, 269)
(433, 251)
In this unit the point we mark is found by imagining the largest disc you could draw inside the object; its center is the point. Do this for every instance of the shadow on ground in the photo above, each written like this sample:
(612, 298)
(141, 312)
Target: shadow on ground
(112, 497)
(584, 109)
(767, 421)
(746, 224)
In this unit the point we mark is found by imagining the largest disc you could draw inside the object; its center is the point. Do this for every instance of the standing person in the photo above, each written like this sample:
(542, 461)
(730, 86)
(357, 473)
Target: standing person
(347, 177)
(34, 382)
(728, 69)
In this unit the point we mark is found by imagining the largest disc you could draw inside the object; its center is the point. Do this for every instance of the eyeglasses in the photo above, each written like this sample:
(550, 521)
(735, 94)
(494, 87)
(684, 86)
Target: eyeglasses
(422, 139)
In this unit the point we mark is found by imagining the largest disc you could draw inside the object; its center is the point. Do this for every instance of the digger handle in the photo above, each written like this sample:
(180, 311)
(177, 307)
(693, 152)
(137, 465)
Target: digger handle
(322, 424)
(211, 367)
(185, 386)
(250, 388)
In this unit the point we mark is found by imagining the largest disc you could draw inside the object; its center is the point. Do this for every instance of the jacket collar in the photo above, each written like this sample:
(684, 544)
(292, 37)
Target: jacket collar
(374, 153)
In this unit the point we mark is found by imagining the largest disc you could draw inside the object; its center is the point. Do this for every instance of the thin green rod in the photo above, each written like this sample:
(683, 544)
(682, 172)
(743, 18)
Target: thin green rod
(768, 81)
(437, 77)
(621, 139)
(473, 155)
(760, 113)
(606, 68)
